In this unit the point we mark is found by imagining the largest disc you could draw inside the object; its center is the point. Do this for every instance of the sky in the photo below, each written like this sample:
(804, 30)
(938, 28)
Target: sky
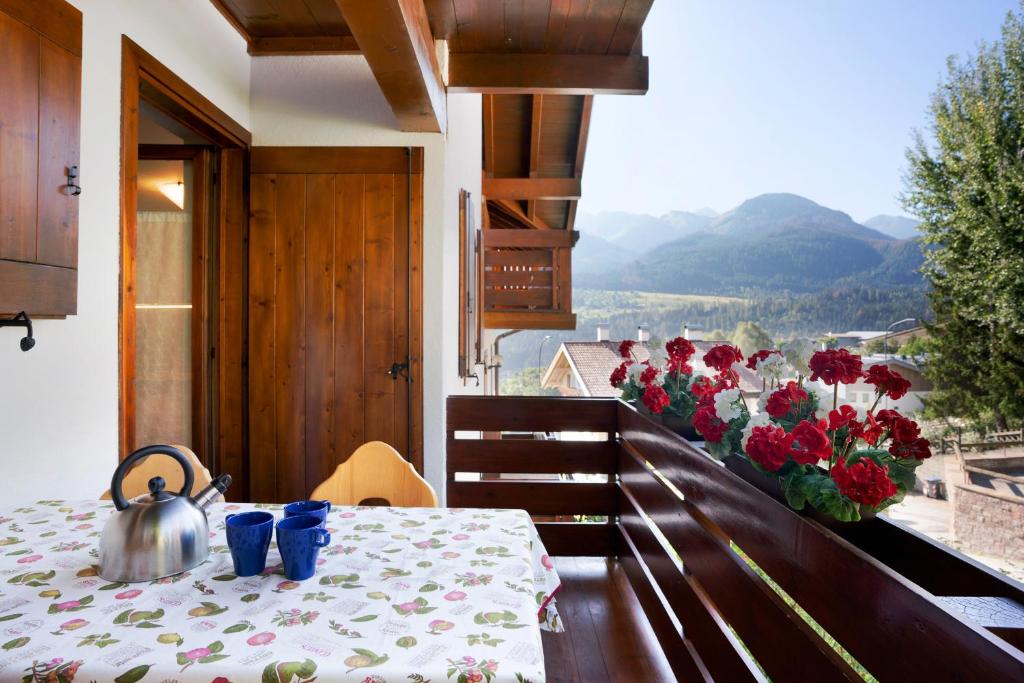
(815, 97)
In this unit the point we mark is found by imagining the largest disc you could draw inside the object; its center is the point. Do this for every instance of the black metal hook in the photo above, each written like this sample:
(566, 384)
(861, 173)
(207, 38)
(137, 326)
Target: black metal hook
(21, 320)
(74, 189)
(400, 370)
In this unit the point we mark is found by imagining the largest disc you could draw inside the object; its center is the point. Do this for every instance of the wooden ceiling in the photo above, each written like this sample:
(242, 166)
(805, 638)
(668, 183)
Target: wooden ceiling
(280, 27)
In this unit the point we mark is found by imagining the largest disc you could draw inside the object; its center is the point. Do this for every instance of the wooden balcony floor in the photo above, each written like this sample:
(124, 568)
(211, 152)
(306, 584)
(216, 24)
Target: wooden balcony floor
(607, 637)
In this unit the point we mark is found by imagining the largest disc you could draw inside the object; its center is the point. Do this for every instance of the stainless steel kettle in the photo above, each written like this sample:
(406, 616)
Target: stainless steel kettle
(160, 533)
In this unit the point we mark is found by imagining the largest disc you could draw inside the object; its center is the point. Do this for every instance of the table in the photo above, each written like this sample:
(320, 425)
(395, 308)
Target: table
(401, 594)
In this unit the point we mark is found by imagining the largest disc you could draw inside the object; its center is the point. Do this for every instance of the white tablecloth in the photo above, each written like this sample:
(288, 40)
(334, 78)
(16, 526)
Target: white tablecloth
(400, 595)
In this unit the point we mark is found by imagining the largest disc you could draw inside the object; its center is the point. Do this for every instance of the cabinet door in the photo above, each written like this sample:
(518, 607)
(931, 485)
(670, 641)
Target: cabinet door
(59, 96)
(19, 139)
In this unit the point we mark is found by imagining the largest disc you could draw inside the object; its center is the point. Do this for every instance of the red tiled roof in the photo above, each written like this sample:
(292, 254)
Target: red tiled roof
(595, 360)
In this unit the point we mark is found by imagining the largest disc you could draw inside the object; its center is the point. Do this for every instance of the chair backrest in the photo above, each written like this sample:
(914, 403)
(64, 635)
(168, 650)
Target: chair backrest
(136, 482)
(376, 474)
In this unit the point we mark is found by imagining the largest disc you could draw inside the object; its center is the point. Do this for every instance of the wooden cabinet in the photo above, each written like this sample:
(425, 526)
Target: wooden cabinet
(40, 78)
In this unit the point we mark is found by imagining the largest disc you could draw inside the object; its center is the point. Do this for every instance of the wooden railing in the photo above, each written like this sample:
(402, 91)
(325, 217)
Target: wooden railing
(720, 567)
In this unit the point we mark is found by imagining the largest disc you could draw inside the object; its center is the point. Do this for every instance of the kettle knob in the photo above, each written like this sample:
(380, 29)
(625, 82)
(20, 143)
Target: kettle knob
(156, 485)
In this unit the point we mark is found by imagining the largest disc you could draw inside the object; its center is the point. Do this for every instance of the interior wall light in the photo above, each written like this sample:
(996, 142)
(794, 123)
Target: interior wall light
(175, 192)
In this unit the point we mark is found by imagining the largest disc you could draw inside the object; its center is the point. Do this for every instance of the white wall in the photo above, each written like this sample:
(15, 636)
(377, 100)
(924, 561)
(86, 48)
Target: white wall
(58, 403)
(334, 101)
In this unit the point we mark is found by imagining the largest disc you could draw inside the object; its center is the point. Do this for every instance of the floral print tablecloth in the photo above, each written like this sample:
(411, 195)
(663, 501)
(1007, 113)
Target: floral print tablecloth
(401, 594)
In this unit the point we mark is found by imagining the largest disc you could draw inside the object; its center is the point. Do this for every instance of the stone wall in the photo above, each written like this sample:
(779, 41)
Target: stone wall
(988, 523)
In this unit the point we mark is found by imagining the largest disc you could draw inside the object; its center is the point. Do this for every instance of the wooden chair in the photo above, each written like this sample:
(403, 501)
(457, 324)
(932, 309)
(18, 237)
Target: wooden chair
(136, 482)
(376, 474)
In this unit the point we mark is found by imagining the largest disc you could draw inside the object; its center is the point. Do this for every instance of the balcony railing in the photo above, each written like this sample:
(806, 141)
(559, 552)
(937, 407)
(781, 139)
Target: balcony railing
(735, 585)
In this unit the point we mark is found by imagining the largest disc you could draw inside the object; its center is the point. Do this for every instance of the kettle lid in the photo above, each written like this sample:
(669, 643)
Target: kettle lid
(157, 494)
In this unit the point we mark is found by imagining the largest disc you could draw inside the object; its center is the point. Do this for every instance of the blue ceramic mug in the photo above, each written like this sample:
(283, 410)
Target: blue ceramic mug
(299, 539)
(317, 508)
(249, 538)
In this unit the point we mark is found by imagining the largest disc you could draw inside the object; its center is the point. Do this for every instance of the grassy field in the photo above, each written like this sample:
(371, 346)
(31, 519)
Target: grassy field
(599, 303)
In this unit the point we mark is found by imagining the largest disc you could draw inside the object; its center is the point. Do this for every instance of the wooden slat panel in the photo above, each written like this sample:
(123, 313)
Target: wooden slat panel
(547, 74)
(19, 135)
(568, 539)
(379, 309)
(319, 329)
(57, 20)
(536, 497)
(527, 456)
(518, 298)
(536, 278)
(262, 341)
(529, 320)
(809, 563)
(334, 160)
(35, 288)
(682, 656)
(716, 646)
(348, 305)
(537, 239)
(766, 624)
(59, 113)
(231, 330)
(532, 188)
(520, 413)
(289, 352)
(416, 287)
(527, 258)
(933, 566)
(272, 46)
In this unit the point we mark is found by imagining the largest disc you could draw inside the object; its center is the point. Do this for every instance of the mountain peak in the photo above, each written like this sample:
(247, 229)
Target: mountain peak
(783, 212)
(900, 227)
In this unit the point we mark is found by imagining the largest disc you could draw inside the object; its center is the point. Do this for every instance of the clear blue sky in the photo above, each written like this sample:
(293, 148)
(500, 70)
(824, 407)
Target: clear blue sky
(816, 97)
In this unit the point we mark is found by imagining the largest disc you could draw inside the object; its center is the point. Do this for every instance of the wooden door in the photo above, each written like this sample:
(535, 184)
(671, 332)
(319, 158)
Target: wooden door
(334, 287)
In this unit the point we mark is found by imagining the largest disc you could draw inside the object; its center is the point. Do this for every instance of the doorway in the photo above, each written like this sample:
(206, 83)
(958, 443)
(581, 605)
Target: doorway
(183, 278)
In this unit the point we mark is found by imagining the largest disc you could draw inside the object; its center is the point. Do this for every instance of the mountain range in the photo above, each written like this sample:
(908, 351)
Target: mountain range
(773, 242)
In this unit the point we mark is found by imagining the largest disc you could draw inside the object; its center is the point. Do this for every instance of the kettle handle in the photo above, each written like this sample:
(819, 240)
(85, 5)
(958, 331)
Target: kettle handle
(116, 483)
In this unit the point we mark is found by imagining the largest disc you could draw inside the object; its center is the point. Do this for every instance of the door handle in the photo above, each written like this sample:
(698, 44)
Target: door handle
(400, 370)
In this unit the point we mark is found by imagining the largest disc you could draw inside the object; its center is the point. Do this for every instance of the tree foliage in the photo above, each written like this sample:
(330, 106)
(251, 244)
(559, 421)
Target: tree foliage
(749, 336)
(525, 383)
(967, 186)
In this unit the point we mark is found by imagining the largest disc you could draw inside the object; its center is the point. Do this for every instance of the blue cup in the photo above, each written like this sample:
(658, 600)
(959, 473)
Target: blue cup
(299, 539)
(249, 538)
(316, 508)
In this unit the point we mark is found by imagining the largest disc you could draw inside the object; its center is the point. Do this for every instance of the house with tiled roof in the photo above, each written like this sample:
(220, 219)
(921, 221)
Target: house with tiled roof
(582, 368)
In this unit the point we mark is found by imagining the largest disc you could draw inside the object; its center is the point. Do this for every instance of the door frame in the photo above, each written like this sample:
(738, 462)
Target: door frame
(143, 77)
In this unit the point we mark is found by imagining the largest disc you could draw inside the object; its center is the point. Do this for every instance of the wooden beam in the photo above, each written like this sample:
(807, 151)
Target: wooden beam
(394, 36)
(270, 46)
(581, 153)
(528, 239)
(548, 74)
(512, 207)
(529, 320)
(532, 188)
(536, 121)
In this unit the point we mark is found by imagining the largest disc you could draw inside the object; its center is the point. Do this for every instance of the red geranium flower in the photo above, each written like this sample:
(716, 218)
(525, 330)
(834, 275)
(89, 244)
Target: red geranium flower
(703, 388)
(781, 401)
(677, 366)
(837, 419)
(722, 357)
(655, 399)
(900, 428)
(680, 349)
(863, 482)
(768, 446)
(887, 381)
(870, 430)
(707, 423)
(760, 355)
(811, 443)
(626, 348)
(619, 374)
(835, 366)
(649, 374)
(918, 449)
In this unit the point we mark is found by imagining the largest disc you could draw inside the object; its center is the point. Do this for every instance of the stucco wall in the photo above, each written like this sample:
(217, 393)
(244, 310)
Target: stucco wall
(58, 403)
(335, 101)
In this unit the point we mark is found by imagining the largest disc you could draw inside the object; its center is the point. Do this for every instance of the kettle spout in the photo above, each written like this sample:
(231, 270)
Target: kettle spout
(214, 489)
